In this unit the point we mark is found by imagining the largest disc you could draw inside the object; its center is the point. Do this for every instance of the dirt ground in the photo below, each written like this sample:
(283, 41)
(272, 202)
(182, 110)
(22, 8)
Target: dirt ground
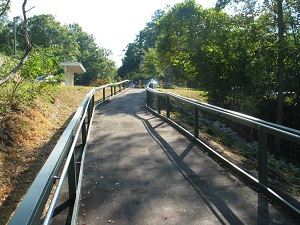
(27, 140)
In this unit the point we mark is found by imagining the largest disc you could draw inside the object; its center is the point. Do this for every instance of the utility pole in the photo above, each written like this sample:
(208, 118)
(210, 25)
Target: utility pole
(15, 35)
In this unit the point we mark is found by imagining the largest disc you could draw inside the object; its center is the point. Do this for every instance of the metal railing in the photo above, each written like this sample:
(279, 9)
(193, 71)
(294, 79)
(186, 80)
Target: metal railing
(158, 101)
(62, 163)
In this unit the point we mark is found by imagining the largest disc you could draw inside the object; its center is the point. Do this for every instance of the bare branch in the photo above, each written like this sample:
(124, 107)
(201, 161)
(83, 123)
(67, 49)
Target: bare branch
(12, 74)
(5, 8)
(26, 36)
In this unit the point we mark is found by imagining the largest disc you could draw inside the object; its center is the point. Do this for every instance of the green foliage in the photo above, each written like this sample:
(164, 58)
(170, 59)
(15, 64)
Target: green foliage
(24, 88)
(41, 63)
(21, 93)
(232, 57)
(177, 40)
(63, 43)
(137, 52)
(6, 38)
(95, 59)
(4, 7)
(55, 43)
(150, 67)
(131, 62)
(46, 32)
(6, 65)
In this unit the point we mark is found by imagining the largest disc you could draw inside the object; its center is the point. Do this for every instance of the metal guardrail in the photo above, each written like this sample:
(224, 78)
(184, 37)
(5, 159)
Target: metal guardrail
(263, 128)
(61, 164)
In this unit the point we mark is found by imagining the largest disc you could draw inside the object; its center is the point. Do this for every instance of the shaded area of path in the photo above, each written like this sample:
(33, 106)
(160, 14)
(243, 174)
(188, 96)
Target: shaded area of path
(140, 170)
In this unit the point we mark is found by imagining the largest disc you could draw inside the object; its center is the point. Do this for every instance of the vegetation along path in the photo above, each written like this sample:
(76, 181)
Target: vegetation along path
(140, 170)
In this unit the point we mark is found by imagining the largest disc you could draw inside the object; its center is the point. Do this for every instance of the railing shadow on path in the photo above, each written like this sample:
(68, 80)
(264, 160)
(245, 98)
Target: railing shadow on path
(158, 101)
(207, 191)
(214, 202)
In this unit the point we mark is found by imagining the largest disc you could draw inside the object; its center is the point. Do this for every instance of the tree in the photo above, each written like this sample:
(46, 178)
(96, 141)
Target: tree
(176, 43)
(280, 62)
(41, 62)
(4, 7)
(6, 37)
(195, 44)
(23, 59)
(148, 36)
(150, 67)
(292, 45)
(134, 54)
(46, 32)
(25, 88)
(278, 12)
(131, 62)
(95, 60)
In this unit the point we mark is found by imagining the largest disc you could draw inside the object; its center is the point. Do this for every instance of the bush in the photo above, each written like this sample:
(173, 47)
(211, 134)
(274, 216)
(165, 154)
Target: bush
(23, 89)
(98, 82)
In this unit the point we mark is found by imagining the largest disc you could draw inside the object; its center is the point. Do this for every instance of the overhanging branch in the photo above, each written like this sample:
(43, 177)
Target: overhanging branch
(5, 8)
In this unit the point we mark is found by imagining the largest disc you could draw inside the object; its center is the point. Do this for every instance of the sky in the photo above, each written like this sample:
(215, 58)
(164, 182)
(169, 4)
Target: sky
(113, 23)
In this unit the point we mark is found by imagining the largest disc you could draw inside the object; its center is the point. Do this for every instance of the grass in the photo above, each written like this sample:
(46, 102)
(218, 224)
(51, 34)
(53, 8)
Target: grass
(189, 93)
(30, 135)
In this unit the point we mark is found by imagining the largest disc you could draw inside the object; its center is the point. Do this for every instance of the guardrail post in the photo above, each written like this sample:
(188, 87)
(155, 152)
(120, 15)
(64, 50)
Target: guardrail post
(168, 106)
(111, 91)
(148, 98)
(196, 122)
(90, 110)
(115, 90)
(262, 157)
(72, 179)
(103, 92)
(158, 105)
(93, 103)
(83, 133)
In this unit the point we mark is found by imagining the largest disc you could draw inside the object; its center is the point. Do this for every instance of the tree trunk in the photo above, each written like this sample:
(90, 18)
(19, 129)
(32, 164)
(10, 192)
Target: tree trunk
(280, 70)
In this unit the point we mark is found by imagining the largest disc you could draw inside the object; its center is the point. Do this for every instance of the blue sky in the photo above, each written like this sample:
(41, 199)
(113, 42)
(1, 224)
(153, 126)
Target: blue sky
(114, 23)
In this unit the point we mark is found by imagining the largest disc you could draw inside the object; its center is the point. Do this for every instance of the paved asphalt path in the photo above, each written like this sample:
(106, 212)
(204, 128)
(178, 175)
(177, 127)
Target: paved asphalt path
(140, 170)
